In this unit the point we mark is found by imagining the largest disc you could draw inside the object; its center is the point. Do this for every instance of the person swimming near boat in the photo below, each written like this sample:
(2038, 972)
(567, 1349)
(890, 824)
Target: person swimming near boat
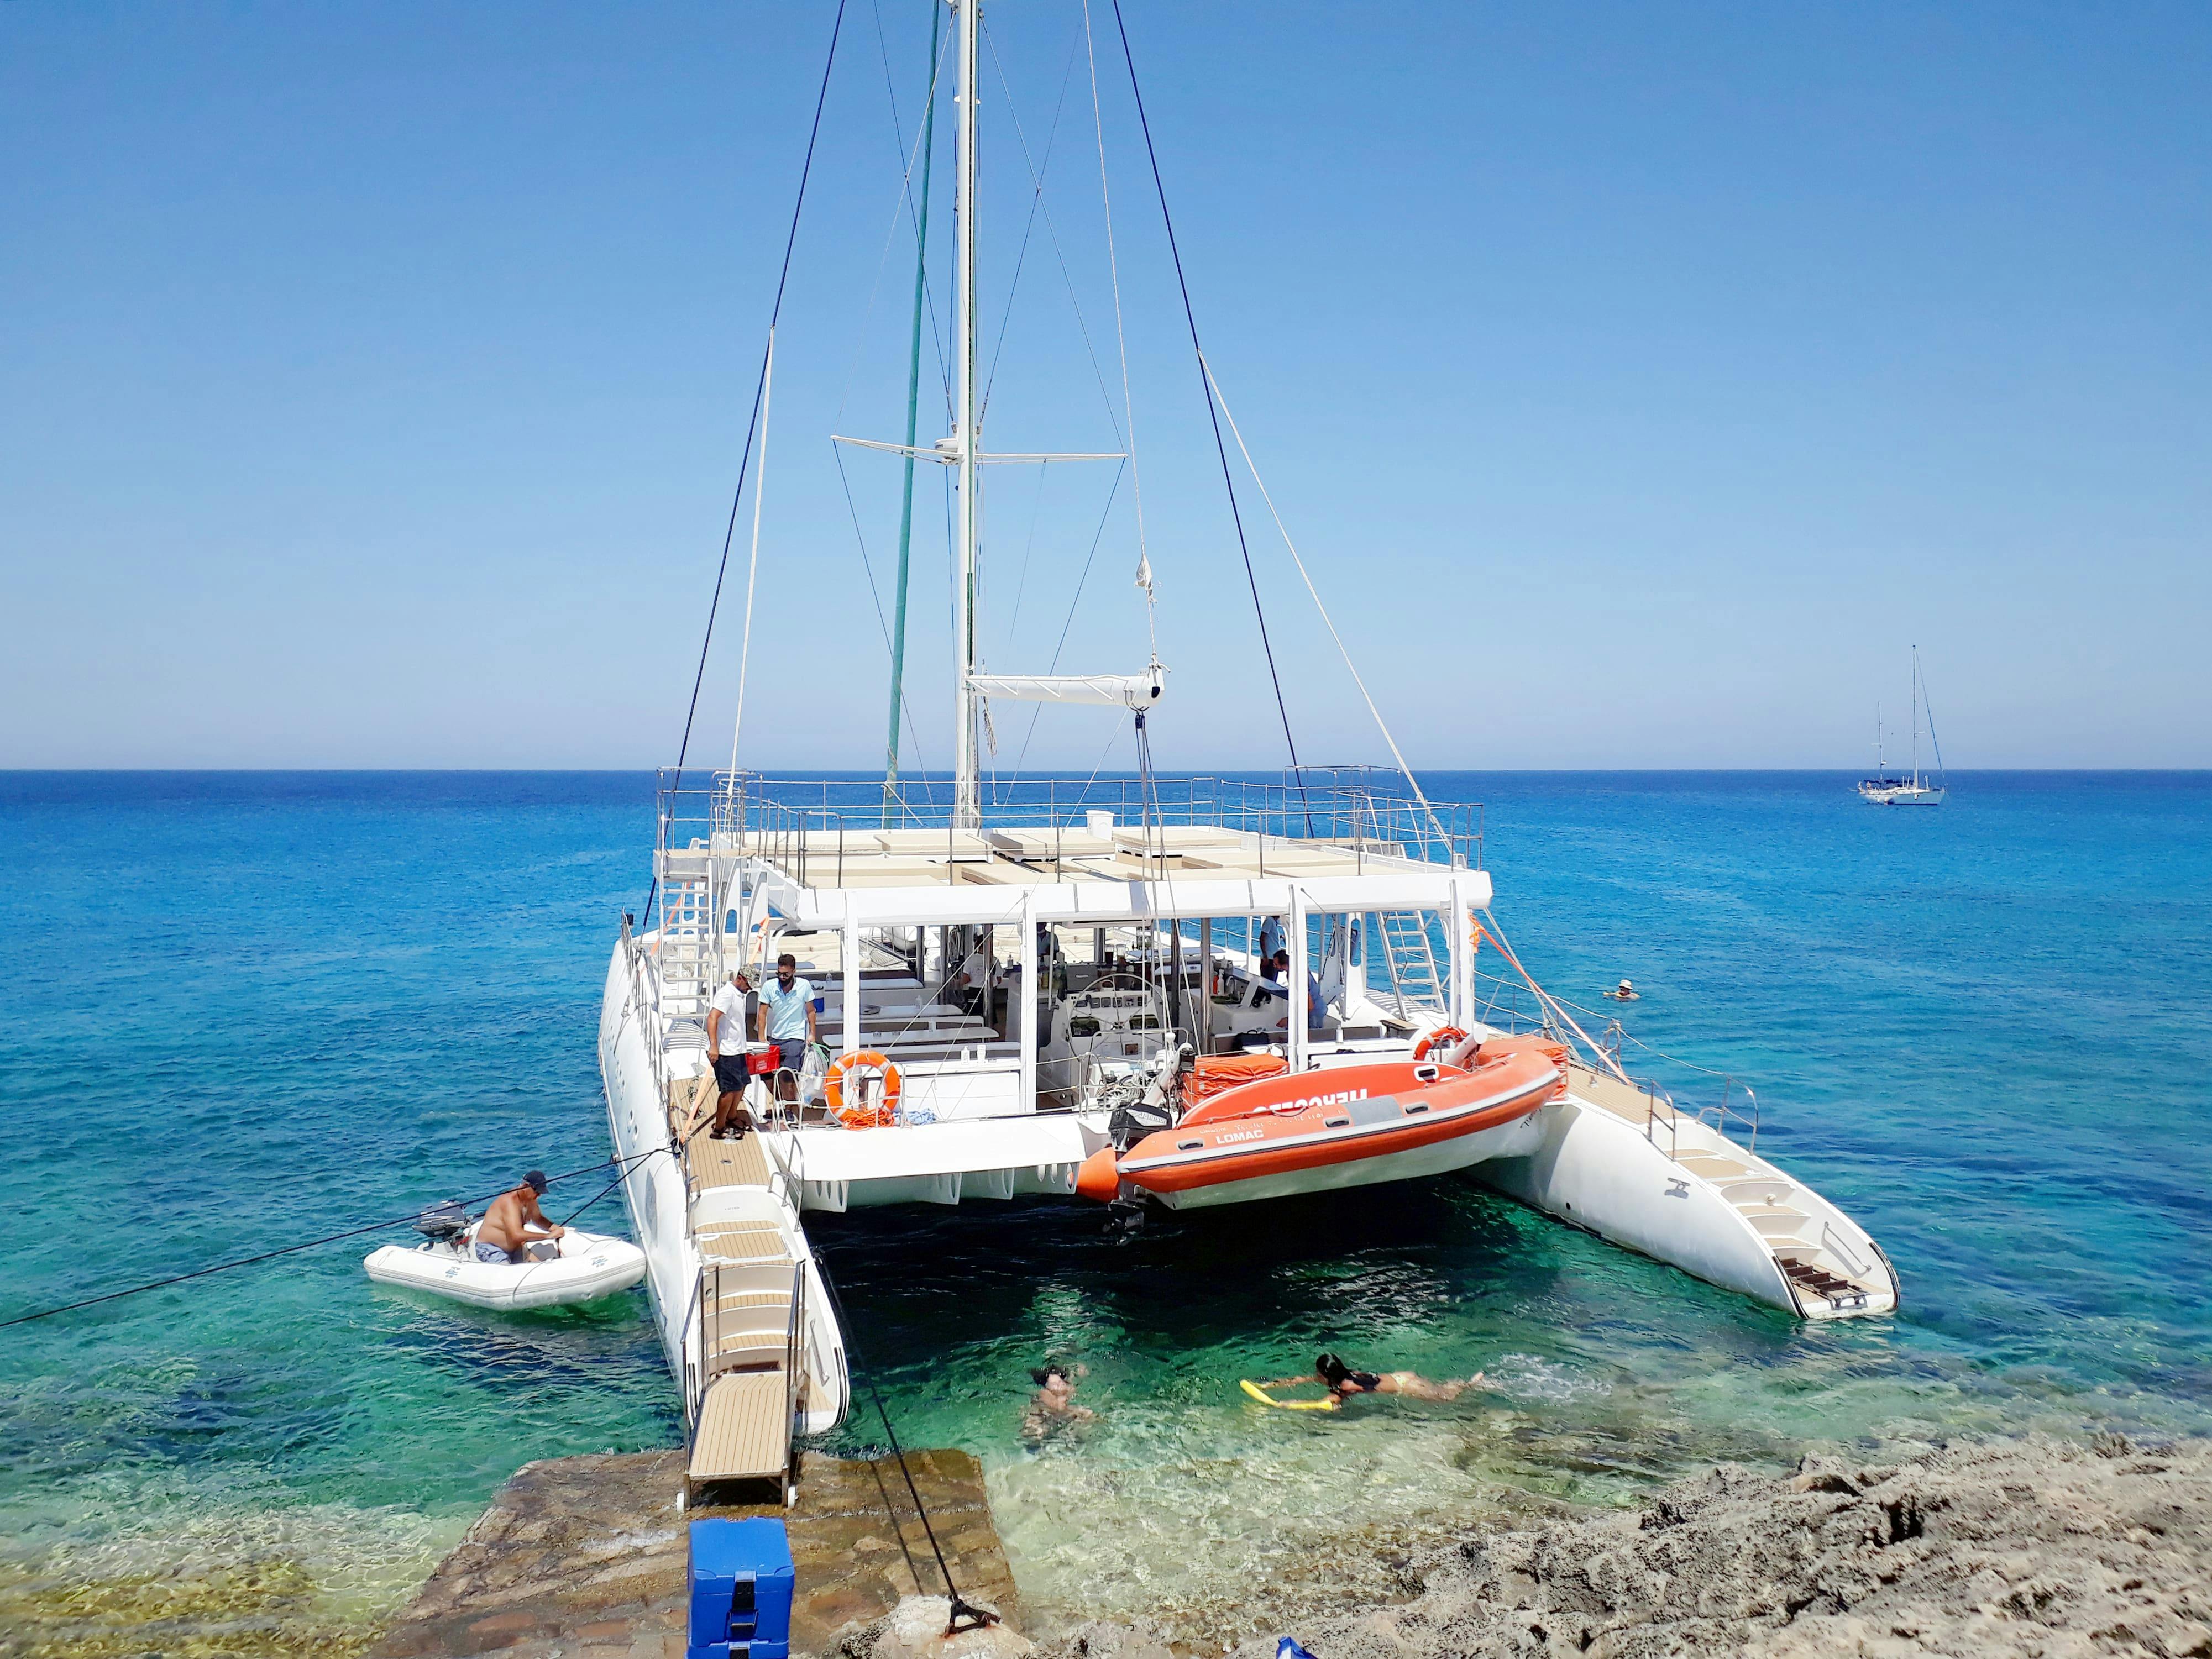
(1625, 992)
(1342, 1382)
(1053, 1405)
(504, 1235)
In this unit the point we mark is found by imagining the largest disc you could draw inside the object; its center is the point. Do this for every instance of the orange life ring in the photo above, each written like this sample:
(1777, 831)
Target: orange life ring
(1443, 1037)
(861, 1115)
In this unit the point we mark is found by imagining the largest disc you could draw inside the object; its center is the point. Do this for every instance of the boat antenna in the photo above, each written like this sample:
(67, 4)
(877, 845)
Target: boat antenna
(1205, 386)
(760, 393)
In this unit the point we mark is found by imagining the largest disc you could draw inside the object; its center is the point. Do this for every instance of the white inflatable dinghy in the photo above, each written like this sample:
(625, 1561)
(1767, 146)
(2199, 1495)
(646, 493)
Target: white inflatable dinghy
(576, 1267)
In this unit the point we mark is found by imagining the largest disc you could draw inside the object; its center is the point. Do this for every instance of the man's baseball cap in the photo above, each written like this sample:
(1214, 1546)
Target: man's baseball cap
(535, 1180)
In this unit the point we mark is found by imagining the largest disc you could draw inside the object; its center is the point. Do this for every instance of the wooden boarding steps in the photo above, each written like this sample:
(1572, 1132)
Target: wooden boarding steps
(753, 1372)
(743, 1431)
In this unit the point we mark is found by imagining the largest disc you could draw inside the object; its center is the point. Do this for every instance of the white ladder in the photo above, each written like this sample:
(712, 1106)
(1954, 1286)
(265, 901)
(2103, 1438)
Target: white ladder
(1410, 955)
(687, 955)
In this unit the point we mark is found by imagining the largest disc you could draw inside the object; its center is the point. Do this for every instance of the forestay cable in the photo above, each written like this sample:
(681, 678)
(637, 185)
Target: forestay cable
(1380, 724)
(752, 566)
(760, 388)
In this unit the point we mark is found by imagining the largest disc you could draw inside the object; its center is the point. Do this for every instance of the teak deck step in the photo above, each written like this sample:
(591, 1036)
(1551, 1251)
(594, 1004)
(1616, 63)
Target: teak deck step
(743, 1240)
(727, 1162)
(745, 1430)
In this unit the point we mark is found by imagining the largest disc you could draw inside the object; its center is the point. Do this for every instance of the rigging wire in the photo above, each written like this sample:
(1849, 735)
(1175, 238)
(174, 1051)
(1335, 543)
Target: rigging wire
(752, 564)
(744, 459)
(875, 595)
(1326, 620)
(1121, 343)
(1206, 387)
(313, 1243)
(1061, 645)
(1052, 234)
(909, 156)
(1037, 200)
(1497, 935)
(921, 221)
(1029, 549)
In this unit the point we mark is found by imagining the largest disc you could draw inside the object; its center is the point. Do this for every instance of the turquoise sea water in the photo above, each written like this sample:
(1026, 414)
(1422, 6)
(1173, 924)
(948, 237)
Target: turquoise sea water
(239, 1010)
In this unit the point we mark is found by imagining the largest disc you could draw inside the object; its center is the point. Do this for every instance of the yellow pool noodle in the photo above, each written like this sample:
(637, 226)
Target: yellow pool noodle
(1265, 1399)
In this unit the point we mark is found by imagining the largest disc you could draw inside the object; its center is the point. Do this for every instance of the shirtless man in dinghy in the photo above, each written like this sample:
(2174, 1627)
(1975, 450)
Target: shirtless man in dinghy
(504, 1235)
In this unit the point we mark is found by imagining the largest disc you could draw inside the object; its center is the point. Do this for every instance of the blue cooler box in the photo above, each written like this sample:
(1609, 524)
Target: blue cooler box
(741, 1584)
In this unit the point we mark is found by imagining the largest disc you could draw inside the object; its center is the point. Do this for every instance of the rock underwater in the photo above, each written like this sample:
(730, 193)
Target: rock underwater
(2036, 1547)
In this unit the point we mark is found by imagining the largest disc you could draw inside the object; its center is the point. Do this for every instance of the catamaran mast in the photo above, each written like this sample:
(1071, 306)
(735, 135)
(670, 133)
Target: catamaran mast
(967, 813)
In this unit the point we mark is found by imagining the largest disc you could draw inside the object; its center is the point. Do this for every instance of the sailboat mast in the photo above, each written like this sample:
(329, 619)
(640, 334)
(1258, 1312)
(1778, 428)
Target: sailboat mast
(1916, 717)
(967, 813)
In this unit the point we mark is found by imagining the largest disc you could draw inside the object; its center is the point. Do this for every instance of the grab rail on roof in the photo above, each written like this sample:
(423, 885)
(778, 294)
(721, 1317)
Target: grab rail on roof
(745, 812)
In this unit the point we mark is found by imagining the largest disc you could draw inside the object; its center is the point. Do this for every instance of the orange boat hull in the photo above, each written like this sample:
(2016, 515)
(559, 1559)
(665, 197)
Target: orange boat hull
(1319, 1129)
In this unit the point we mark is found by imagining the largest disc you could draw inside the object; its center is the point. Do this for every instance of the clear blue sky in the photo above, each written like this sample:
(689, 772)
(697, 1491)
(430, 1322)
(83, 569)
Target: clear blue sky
(1639, 381)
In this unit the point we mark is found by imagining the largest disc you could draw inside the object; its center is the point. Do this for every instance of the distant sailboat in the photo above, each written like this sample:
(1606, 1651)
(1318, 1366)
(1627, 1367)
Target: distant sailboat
(1887, 788)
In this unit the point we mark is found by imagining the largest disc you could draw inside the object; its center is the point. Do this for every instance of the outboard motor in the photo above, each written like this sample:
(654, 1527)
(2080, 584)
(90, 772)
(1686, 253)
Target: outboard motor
(443, 1222)
(1155, 1108)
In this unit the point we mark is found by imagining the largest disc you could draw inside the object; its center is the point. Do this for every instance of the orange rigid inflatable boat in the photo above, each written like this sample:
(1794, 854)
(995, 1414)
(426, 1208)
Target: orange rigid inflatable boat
(1343, 1127)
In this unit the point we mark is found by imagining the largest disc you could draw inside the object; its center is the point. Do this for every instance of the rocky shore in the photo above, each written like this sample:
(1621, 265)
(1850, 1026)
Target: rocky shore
(2035, 1546)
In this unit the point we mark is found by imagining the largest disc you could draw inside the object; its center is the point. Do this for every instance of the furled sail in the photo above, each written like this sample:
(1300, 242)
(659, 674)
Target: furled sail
(1139, 692)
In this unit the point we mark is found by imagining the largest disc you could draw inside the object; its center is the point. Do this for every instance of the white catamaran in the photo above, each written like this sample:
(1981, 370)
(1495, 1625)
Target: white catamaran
(1154, 994)
(1887, 788)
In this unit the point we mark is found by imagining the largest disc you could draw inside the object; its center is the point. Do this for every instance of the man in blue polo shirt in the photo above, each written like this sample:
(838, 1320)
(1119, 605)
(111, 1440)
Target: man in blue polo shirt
(786, 1012)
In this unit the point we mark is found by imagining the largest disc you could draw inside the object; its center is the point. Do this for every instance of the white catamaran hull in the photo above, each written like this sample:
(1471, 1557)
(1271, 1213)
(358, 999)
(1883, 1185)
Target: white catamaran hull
(659, 1205)
(1699, 1201)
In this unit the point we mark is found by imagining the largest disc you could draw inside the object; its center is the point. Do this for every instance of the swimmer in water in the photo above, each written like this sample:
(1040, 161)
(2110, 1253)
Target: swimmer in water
(1342, 1382)
(1054, 1405)
(1625, 992)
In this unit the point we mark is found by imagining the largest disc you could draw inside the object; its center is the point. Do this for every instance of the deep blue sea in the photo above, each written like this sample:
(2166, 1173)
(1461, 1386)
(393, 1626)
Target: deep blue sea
(240, 1010)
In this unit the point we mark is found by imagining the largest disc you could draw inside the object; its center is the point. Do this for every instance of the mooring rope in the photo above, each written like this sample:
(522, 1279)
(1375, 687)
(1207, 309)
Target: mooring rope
(312, 1243)
(959, 1606)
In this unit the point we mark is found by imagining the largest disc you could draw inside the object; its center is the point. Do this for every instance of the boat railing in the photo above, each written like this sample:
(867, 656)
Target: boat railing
(785, 819)
(641, 998)
(1733, 1112)
(1725, 1113)
(709, 1316)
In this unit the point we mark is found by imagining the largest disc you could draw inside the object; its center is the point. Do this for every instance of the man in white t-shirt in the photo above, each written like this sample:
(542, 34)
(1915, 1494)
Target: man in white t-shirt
(729, 1027)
